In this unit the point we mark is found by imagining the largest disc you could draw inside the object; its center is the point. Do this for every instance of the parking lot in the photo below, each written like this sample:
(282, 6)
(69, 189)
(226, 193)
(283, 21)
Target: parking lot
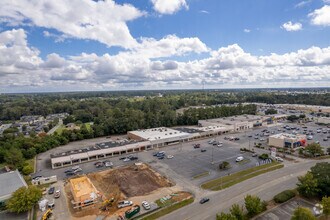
(285, 211)
(187, 161)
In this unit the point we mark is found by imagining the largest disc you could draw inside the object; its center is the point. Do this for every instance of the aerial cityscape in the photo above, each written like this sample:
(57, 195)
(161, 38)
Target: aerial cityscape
(165, 109)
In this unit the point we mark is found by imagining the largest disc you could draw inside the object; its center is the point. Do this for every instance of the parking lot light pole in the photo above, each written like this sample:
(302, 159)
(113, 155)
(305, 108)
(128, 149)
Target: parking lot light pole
(212, 154)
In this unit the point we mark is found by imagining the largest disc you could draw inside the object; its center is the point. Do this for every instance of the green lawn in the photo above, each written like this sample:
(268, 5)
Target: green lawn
(201, 175)
(227, 181)
(168, 209)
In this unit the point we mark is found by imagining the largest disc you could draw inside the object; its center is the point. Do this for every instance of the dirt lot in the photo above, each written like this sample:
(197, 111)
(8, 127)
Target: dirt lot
(121, 183)
(129, 180)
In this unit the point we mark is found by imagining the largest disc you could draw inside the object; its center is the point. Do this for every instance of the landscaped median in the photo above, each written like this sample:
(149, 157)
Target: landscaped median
(168, 209)
(227, 181)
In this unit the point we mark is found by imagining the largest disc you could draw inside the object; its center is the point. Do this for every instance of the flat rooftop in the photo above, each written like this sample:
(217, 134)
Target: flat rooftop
(9, 183)
(234, 119)
(288, 136)
(159, 133)
(98, 146)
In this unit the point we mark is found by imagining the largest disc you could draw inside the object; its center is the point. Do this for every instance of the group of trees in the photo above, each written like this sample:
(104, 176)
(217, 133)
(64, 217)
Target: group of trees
(253, 205)
(316, 183)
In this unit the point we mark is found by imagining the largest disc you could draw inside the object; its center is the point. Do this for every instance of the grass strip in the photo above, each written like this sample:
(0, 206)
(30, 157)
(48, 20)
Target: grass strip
(222, 180)
(243, 178)
(201, 175)
(169, 209)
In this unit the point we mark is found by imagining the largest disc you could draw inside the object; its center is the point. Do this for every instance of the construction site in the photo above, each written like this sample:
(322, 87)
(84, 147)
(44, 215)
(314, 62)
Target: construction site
(98, 193)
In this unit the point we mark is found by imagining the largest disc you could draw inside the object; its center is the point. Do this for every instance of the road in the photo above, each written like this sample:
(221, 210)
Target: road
(265, 186)
(51, 131)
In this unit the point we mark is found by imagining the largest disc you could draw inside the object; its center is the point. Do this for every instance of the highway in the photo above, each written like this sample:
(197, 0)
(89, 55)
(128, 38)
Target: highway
(265, 186)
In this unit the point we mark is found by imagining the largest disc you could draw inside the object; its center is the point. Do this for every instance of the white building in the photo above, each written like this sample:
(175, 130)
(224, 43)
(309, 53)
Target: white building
(284, 140)
(323, 120)
(159, 136)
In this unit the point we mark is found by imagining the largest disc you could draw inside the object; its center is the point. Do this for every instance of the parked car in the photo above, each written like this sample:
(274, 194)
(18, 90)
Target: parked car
(126, 159)
(220, 145)
(124, 203)
(71, 173)
(203, 150)
(75, 167)
(279, 159)
(77, 170)
(161, 157)
(170, 156)
(122, 158)
(325, 139)
(254, 155)
(57, 194)
(236, 139)
(133, 158)
(146, 205)
(51, 204)
(197, 146)
(98, 164)
(204, 200)
(239, 158)
(108, 163)
(310, 137)
(51, 190)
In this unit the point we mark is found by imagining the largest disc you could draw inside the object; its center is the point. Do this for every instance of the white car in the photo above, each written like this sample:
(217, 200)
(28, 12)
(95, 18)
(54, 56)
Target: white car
(126, 159)
(170, 156)
(75, 167)
(124, 203)
(279, 159)
(219, 145)
(108, 164)
(146, 205)
(310, 137)
(239, 158)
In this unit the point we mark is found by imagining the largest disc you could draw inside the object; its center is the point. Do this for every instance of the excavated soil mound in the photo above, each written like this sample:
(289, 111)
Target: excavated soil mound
(131, 181)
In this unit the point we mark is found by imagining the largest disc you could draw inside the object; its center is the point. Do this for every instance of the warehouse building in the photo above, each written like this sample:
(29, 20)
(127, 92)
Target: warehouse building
(284, 140)
(323, 120)
(9, 183)
(236, 123)
(159, 137)
(99, 151)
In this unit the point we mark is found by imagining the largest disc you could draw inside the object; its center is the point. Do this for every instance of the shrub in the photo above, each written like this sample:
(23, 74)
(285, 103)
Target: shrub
(263, 156)
(224, 165)
(284, 196)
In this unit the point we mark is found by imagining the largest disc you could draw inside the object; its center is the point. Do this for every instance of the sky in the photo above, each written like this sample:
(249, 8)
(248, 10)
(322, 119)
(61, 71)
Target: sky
(85, 45)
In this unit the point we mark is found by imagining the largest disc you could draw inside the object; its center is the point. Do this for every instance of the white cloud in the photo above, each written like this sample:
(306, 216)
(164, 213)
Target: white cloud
(169, 6)
(247, 30)
(321, 16)
(326, 1)
(289, 26)
(168, 46)
(204, 12)
(302, 3)
(22, 67)
(103, 21)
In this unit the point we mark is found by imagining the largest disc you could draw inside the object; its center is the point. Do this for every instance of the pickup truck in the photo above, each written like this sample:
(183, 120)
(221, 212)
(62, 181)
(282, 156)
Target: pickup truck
(124, 203)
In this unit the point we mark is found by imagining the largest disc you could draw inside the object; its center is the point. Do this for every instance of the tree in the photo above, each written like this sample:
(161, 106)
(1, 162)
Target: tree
(24, 199)
(307, 185)
(271, 111)
(225, 216)
(27, 169)
(326, 205)
(321, 172)
(237, 211)
(302, 213)
(14, 157)
(253, 205)
(314, 149)
(292, 118)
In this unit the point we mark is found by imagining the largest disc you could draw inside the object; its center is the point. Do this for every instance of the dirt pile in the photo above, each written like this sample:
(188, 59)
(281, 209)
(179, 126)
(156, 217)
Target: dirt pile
(131, 181)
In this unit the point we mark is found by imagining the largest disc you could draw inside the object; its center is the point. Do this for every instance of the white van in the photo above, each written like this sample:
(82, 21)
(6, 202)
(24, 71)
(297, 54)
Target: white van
(239, 158)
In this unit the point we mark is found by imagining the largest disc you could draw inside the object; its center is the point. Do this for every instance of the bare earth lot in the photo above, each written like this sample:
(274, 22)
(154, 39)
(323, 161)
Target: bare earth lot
(130, 180)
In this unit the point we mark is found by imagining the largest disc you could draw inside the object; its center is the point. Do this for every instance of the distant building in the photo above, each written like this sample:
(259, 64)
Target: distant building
(284, 140)
(159, 136)
(323, 120)
(9, 183)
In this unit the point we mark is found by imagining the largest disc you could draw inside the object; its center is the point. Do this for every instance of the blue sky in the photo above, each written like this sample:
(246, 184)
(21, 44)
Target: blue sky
(147, 44)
